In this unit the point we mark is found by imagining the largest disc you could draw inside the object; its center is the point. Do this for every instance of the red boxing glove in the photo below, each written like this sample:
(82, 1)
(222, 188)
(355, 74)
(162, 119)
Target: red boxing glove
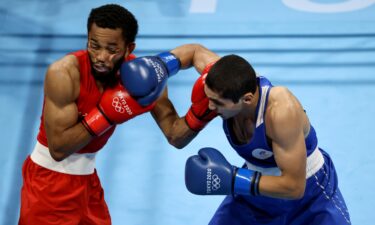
(116, 106)
(199, 114)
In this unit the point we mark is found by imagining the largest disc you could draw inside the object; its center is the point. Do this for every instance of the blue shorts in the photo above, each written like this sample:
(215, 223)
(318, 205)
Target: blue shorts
(322, 204)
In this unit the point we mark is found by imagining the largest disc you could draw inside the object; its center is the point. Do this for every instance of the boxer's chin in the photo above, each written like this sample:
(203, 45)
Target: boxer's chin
(107, 77)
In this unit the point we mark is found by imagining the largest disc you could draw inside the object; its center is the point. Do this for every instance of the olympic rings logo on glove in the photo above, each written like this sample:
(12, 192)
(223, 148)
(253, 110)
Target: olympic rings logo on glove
(215, 182)
(117, 104)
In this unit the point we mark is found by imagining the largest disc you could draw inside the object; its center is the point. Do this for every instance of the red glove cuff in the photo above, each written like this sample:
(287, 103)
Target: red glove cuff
(96, 123)
(193, 122)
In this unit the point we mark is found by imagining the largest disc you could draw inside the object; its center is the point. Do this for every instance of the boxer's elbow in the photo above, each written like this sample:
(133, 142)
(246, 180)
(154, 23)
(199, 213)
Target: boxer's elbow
(176, 142)
(180, 140)
(57, 151)
(295, 189)
(56, 154)
(179, 134)
(297, 193)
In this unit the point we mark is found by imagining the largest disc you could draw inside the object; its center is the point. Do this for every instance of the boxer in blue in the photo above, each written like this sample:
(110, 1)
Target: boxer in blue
(286, 179)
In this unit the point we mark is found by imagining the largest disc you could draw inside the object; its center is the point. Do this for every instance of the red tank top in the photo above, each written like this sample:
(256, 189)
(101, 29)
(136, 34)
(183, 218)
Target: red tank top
(88, 98)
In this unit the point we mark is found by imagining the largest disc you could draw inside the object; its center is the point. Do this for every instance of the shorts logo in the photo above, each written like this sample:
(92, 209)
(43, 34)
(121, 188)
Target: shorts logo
(213, 182)
(260, 153)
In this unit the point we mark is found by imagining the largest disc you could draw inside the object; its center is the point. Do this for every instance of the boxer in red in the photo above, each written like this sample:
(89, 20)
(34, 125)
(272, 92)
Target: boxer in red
(87, 93)
(84, 100)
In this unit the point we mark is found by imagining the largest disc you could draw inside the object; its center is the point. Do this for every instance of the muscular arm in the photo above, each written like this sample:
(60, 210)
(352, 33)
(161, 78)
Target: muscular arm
(174, 127)
(285, 124)
(194, 55)
(65, 134)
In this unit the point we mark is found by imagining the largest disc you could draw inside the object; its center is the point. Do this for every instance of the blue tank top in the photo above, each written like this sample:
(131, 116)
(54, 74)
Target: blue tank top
(257, 151)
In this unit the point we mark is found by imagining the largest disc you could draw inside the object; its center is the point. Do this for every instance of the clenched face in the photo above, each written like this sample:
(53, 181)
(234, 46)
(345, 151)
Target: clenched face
(107, 49)
(225, 108)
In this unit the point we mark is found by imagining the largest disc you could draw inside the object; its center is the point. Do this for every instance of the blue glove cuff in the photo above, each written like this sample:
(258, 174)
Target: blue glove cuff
(242, 182)
(172, 63)
(255, 183)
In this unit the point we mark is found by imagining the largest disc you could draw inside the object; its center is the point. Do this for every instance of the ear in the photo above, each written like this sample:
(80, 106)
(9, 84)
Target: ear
(248, 98)
(130, 48)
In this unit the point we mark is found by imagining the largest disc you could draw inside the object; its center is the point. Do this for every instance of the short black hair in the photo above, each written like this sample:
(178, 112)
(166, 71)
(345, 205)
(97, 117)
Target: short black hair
(114, 16)
(232, 77)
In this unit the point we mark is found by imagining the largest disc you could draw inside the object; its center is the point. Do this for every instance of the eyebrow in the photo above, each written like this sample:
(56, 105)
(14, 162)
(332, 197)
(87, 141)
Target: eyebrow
(109, 44)
(112, 44)
(217, 102)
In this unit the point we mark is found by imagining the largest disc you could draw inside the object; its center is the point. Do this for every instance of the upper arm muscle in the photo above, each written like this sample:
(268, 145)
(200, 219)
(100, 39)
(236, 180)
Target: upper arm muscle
(60, 110)
(286, 132)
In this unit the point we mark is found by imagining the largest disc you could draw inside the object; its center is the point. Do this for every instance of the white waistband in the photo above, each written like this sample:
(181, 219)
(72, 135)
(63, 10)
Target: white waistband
(314, 162)
(75, 164)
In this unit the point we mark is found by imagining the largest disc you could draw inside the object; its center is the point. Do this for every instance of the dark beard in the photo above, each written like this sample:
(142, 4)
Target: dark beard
(109, 79)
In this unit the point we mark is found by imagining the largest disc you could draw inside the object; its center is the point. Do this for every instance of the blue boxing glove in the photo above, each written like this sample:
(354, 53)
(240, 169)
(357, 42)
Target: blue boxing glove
(209, 173)
(146, 77)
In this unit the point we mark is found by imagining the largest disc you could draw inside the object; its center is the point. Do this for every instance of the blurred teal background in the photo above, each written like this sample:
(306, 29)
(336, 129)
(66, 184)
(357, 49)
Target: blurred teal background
(323, 50)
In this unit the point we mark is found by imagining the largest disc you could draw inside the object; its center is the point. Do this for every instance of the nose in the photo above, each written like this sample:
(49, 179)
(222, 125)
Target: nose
(102, 56)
